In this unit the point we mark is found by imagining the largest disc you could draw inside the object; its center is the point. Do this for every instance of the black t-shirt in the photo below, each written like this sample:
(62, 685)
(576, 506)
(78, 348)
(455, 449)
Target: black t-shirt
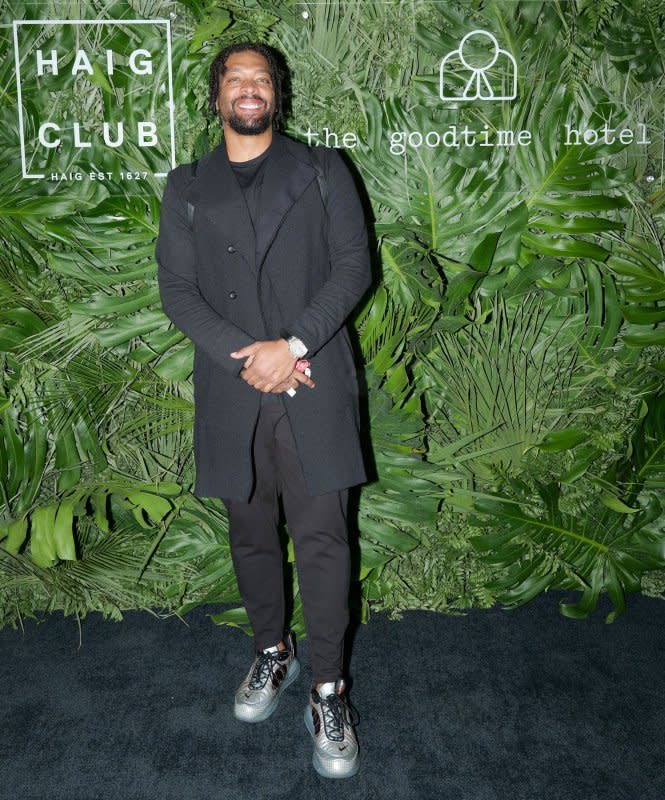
(250, 177)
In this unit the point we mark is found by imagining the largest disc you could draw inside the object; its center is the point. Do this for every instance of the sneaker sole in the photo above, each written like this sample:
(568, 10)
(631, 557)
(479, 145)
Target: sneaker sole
(291, 675)
(330, 767)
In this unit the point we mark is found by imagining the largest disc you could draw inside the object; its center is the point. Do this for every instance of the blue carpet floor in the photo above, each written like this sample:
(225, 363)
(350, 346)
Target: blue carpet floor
(494, 705)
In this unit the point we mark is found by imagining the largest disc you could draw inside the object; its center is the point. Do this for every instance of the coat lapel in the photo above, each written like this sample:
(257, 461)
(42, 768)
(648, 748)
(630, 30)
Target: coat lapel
(218, 193)
(285, 179)
(220, 197)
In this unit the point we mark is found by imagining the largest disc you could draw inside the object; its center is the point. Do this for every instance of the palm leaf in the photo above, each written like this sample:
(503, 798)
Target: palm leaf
(503, 383)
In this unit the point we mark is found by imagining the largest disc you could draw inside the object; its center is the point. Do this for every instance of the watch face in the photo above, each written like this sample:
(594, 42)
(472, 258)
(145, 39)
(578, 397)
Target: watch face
(297, 347)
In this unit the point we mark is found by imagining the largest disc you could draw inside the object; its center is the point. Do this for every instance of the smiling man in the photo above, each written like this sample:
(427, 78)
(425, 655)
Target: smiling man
(262, 254)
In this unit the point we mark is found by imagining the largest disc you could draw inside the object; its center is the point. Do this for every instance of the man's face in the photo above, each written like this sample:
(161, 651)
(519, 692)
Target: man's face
(246, 99)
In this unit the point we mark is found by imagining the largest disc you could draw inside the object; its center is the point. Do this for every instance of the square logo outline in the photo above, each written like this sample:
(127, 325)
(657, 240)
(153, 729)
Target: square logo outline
(17, 70)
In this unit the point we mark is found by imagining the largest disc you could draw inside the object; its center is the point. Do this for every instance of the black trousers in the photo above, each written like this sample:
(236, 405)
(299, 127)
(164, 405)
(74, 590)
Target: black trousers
(317, 525)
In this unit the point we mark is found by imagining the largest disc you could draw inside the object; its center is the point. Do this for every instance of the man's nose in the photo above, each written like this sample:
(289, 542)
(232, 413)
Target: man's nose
(249, 83)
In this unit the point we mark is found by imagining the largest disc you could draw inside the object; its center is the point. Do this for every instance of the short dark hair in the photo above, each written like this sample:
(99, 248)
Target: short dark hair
(218, 68)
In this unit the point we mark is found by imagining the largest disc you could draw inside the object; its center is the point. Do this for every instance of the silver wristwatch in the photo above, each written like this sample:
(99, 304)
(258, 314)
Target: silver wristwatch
(297, 347)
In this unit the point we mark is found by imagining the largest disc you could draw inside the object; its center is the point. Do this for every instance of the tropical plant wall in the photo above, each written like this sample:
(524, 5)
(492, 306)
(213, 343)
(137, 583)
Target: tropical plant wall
(513, 344)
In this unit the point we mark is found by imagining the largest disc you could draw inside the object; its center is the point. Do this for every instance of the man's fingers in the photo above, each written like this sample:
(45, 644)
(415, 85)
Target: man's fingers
(284, 386)
(302, 378)
(249, 350)
(293, 381)
(251, 379)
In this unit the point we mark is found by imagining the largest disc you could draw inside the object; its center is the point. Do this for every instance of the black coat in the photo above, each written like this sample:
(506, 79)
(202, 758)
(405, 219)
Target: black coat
(212, 278)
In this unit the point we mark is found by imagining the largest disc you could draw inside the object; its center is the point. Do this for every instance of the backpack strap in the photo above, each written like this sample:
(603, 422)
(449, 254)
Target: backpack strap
(320, 175)
(190, 207)
(322, 182)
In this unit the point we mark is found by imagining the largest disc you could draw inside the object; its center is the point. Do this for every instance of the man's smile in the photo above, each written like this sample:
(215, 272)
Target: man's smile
(250, 103)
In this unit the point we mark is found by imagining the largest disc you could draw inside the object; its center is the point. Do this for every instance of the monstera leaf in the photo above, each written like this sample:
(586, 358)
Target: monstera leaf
(605, 546)
(637, 265)
(540, 546)
(430, 193)
(635, 40)
(568, 185)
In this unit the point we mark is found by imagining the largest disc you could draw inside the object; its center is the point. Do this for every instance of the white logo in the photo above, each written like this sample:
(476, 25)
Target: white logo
(482, 82)
(110, 138)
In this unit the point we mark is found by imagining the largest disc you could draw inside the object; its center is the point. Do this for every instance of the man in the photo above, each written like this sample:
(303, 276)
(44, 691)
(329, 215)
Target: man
(262, 255)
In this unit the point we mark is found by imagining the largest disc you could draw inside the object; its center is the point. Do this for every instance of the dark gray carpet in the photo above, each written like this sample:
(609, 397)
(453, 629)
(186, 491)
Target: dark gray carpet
(520, 705)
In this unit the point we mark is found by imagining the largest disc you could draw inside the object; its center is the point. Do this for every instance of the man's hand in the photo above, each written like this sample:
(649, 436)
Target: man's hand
(269, 365)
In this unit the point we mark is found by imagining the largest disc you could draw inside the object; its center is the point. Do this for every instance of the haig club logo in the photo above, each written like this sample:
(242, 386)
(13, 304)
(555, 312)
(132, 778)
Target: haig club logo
(95, 99)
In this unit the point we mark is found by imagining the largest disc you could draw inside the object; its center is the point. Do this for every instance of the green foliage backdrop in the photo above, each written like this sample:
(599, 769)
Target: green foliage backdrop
(513, 343)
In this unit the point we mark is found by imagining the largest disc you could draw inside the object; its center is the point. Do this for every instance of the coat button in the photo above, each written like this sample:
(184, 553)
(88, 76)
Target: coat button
(230, 249)
(233, 295)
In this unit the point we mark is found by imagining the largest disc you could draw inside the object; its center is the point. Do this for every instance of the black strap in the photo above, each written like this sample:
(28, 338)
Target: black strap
(320, 175)
(190, 207)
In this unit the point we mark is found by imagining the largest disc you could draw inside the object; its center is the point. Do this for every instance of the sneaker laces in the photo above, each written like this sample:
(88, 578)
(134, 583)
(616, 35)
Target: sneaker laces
(264, 667)
(335, 713)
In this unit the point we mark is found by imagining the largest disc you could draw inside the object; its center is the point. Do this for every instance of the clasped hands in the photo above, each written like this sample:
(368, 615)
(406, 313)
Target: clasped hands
(270, 367)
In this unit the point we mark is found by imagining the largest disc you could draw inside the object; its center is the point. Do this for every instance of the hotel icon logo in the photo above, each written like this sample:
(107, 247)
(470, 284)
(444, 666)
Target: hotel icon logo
(478, 70)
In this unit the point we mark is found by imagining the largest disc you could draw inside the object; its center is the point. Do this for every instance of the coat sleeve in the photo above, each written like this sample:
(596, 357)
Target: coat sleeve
(181, 298)
(350, 270)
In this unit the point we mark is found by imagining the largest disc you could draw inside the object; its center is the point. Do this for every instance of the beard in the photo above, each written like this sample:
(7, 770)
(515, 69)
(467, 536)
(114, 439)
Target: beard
(251, 127)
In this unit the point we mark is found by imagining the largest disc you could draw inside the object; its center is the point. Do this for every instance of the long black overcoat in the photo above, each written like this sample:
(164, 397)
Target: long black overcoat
(312, 247)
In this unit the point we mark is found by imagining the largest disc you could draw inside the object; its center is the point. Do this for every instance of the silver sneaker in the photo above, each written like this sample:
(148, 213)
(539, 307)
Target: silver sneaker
(271, 672)
(330, 721)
